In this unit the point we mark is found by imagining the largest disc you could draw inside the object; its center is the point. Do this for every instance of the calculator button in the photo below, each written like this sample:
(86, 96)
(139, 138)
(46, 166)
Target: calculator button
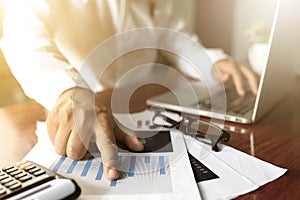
(4, 176)
(2, 191)
(10, 183)
(6, 180)
(25, 178)
(7, 168)
(16, 172)
(15, 186)
(24, 165)
(29, 167)
(20, 175)
(33, 170)
(11, 170)
(39, 173)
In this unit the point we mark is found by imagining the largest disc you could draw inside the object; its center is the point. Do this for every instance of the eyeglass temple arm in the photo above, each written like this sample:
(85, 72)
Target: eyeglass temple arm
(167, 119)
(225, 137)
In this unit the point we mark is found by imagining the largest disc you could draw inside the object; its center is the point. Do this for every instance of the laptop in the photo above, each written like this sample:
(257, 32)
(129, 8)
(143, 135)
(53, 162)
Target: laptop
(276, 81)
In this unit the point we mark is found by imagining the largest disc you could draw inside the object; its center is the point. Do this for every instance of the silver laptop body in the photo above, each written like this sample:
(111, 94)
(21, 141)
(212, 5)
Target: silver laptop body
(276, 81)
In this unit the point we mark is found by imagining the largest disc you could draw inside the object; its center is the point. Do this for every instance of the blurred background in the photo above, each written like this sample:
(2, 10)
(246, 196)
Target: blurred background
(232, 25)
(236, 26)
(10, 91)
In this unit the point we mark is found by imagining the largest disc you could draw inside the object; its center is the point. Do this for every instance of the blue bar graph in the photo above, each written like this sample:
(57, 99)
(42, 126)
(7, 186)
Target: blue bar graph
(132, 166)
(59, 163)
(100, 172)
(147, 159)
(87, 166)
(113, 183)
(72, 167)
(162, 165)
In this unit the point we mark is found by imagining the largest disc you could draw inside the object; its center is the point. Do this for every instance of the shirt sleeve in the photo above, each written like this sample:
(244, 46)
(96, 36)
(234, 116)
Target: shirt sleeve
(34, 59)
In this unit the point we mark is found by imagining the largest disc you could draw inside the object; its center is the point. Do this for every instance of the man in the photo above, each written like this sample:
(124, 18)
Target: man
(45, 43)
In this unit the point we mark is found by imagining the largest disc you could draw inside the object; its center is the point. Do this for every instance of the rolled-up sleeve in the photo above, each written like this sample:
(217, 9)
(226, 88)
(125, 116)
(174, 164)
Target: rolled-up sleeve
(34, 59)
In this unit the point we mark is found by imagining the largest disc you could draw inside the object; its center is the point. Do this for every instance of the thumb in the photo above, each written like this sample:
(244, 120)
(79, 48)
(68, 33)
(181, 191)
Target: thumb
(106, 143)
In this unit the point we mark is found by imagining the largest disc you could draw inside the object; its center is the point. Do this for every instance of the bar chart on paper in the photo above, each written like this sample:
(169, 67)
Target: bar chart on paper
(161, 171)
(139, 173)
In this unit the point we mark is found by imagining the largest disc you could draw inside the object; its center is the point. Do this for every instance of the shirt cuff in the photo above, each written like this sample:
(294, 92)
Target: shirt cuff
(216, 54)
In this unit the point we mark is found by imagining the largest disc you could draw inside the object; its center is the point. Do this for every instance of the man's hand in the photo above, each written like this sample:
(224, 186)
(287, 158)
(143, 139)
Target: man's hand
(76, 119)
(230, 69)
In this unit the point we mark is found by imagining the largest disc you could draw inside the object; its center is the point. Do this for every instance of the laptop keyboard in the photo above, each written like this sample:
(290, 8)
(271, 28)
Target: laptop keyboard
(235, 103)
(240, 104)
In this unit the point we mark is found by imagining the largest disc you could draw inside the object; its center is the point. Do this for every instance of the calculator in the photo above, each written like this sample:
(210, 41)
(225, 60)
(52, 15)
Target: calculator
(28, 180)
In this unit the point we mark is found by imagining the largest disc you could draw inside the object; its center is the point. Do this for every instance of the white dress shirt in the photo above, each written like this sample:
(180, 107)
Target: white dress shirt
(45, 42)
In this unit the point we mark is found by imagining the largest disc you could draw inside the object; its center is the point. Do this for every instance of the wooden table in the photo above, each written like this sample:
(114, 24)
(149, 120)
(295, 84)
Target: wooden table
(275, 139)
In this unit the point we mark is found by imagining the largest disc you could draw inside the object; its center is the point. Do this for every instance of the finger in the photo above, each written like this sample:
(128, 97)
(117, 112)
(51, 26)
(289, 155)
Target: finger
(229, 67)
(225, 77)
(52, 127)
(109, 156)
(106, 143)
(238, 81)
(130, 140)
(61, 139)
(76, 148)
(252, 78)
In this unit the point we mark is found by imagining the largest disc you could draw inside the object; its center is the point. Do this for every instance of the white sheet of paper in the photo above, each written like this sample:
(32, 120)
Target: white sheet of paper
(239, 173)
(144, 175)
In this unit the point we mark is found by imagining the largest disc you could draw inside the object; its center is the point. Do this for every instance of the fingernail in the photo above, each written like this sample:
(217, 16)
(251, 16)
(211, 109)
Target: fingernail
(139, 141)
(114, 174)
(140, 144)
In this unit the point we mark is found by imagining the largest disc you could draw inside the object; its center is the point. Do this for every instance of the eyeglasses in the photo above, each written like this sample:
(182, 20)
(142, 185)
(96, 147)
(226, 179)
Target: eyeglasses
(201, 130)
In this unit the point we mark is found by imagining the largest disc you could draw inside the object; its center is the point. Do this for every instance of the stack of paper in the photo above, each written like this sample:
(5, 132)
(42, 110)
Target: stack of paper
(163, 174)
(238, 173)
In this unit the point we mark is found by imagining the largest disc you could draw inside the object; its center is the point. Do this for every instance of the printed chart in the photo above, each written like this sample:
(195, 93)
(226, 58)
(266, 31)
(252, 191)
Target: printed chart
(161, 171)
(136, 174)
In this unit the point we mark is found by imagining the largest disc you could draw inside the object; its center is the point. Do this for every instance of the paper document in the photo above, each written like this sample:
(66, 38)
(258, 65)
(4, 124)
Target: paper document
(226, 174)
(165, 173)
(238, 173)
(159, 175)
